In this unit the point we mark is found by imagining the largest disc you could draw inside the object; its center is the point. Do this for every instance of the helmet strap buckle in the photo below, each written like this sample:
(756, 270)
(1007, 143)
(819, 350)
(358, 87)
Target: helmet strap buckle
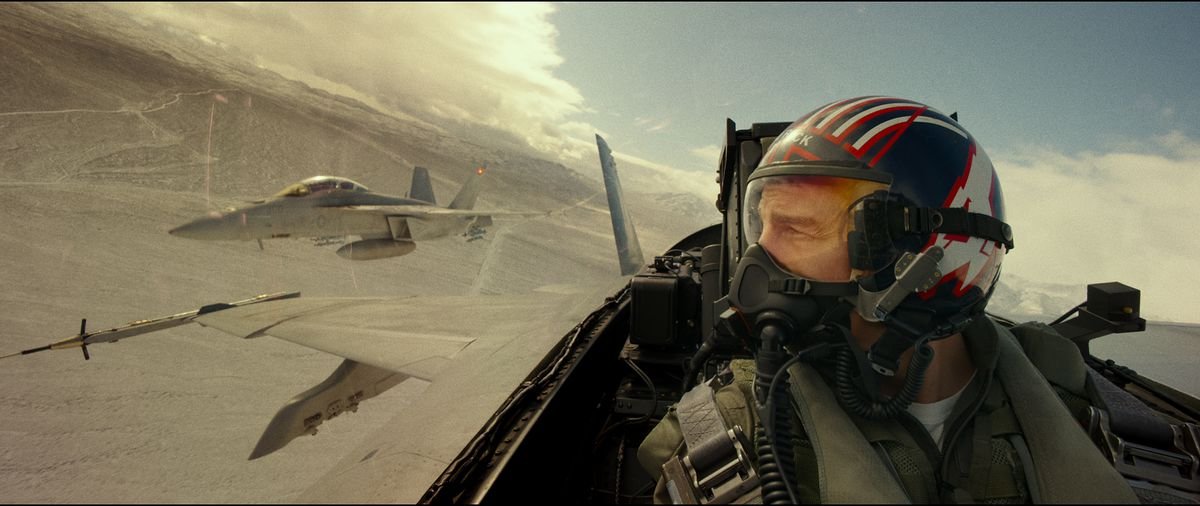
(914, 273)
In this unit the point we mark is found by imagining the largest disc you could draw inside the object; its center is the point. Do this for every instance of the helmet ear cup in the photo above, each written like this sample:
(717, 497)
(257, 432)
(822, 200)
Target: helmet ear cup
(869, 242)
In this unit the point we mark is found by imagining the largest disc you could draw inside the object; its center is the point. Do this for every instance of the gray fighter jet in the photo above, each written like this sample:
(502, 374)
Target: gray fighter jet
(325, 207)
(474, 350)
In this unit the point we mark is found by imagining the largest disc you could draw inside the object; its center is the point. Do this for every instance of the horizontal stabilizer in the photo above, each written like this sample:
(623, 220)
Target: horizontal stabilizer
(350, 384)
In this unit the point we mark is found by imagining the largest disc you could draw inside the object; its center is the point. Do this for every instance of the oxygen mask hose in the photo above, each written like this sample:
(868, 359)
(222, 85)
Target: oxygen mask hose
(776, 458)
(856, 401)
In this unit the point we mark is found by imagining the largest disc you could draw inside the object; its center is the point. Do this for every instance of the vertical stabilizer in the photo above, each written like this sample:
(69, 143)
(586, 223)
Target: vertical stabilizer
(466, 196)
(629, 252)
(421, 188)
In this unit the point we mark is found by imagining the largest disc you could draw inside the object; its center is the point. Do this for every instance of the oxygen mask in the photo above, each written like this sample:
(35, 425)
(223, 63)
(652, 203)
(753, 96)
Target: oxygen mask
(762, 293)
(797, 269)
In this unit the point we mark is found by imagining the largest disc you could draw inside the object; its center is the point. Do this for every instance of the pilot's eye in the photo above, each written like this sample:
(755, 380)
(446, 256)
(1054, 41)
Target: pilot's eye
(798, 231)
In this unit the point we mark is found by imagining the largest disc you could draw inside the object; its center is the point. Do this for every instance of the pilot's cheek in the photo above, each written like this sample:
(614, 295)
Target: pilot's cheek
(785, 255)
(824, 259)
(809, 259)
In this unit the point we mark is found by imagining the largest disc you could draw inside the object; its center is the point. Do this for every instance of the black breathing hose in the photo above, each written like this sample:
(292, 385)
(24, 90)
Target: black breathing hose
(697, 360)
(857, 402)
(776, 457)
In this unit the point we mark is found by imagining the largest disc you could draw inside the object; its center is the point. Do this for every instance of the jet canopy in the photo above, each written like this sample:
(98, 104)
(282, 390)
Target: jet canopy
(320, 183)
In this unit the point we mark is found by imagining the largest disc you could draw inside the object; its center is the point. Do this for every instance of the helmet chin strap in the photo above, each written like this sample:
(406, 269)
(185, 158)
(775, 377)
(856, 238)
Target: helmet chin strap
(914, 273)
(907, 325)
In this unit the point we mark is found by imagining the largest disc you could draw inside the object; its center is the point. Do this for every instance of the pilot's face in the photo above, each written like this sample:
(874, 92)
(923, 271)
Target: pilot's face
(805, 222)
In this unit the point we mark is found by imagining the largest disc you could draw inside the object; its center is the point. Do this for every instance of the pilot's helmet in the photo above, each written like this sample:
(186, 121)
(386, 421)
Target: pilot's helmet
(874, 176)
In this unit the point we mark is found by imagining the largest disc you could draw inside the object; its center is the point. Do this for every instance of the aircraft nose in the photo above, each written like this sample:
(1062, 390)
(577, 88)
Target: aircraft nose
(203, 228)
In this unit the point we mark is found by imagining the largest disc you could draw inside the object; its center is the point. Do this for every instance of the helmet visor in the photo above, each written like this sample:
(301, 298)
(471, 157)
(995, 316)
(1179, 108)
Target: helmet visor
(802, 221)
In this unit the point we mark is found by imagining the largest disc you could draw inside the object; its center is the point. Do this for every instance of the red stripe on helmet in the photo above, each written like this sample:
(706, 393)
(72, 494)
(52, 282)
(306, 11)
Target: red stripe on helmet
(820, 114)
(960, 274)
(961, 183)
(799, 152)
(956, 274)
(869, 117)
(867, 147)
(833, 124)
(888, 146)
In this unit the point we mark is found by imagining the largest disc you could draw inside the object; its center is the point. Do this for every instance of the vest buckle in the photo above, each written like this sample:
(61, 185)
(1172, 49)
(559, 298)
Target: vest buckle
(718, 470)
(1177, 467)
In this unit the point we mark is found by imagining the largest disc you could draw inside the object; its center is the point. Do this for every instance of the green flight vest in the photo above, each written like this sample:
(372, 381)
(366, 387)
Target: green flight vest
(1063, 464)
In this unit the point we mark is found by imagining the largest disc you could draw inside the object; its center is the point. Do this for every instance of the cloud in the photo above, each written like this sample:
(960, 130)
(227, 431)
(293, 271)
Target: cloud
(708, 154)
(486, 64)
(1162, 110)
(652, 124)
(479, 64)
(1128, 216)
(651, 176)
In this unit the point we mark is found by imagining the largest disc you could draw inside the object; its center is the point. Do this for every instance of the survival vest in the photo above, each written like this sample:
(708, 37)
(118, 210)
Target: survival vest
(1010, 439)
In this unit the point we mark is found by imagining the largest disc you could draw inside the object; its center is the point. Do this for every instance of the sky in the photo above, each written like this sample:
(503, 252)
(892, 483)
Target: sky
(1090, 112)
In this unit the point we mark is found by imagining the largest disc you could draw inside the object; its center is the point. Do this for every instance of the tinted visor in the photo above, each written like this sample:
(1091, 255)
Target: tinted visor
(803, 221)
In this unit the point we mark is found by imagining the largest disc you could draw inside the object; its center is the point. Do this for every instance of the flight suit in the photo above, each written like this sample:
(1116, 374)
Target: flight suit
(1009, 439)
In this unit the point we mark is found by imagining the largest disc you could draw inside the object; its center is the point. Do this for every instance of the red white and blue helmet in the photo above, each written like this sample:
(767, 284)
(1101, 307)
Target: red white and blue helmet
(941, 190)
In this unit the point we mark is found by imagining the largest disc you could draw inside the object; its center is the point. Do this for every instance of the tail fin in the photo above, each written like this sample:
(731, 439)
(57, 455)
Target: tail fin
(466, 196)
(629, 252)
(421, 188)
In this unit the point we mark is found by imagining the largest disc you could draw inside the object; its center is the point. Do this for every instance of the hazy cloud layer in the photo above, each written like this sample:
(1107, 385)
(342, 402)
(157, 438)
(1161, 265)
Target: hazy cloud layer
(489, 64)
(652, 124)
(485, 64)
(708, 155)
(1129, 215)
(666, 178)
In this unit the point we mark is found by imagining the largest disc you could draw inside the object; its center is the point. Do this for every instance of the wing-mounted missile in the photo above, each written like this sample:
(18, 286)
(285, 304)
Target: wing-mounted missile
(84, 338)
(477, 228)
(351, 383)
(373, 249)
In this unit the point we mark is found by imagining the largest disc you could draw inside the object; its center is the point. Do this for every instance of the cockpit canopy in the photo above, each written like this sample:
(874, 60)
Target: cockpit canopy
(320, 183)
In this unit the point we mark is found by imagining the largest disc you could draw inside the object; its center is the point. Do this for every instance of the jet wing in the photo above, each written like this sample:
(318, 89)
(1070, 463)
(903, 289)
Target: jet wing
(415, 335)
(420, 212)
(351, 328)
(473, 350)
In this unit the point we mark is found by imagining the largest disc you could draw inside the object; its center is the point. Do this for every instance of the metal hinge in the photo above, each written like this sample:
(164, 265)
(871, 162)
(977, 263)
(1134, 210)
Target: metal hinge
(724, 476)
(1177, 467)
